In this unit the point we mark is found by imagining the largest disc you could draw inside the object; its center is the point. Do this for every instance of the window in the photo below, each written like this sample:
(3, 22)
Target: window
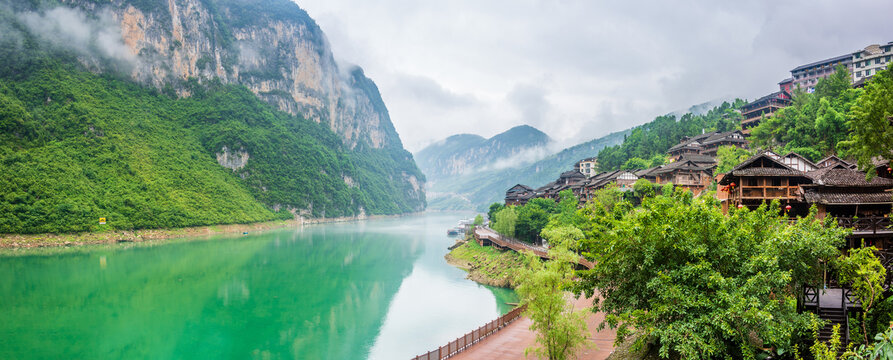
(877, 61)
(776, 181)
(858, 74)
(887, 58)
(751, 182)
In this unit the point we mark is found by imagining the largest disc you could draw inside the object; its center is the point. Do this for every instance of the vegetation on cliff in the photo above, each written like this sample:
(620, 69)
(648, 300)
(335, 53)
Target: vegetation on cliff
(648, 143)
(76, 146)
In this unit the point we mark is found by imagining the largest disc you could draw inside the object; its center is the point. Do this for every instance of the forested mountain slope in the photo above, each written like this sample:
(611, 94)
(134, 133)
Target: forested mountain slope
(466, 153)
(83, 135)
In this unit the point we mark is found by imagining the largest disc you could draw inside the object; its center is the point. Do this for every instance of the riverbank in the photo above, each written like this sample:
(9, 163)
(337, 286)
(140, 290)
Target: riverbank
(486, 264)
(12, 241)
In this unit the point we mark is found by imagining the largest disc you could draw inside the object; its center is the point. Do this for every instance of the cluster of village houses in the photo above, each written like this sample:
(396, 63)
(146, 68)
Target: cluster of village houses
(832, 184)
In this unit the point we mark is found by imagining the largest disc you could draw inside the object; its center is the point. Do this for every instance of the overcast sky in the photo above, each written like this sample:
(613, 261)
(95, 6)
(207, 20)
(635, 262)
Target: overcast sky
(580, 69)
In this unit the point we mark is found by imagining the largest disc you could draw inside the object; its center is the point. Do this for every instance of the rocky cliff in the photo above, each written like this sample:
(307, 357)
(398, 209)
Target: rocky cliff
(270, 46)
(197, 87)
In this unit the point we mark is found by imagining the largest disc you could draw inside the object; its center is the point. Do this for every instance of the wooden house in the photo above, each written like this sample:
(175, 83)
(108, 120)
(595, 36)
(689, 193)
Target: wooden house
(831, 160)
(685, 173)
(798, 162)
(707, 144)
(711, 144)
(764, 107)
(762, 178)
(857, 203)
(519, 195)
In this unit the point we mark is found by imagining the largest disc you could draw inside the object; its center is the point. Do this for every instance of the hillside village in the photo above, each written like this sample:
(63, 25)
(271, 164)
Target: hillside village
(834, 185)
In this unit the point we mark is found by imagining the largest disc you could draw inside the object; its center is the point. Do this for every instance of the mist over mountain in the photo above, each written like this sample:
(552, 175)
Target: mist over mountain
(478, 189)
(467, 153)
(223, 110)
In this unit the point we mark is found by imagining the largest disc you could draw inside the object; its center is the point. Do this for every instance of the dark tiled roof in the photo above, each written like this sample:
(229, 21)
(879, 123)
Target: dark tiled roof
(744, 169)
(826, 61)
(720, 137)
(680, 166)
(834, 197)
(790, 79)
(766, 172)
(520, 188)
(646, 172)
(571, 174)
(832, 158)
(698, 158)
(839, 176)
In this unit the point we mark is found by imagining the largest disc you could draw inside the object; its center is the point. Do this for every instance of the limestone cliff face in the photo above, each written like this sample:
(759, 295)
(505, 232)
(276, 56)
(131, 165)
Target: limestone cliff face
(270, 46)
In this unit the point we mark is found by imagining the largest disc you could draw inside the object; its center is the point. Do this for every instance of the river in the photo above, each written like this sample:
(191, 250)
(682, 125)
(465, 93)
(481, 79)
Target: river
(376, 289)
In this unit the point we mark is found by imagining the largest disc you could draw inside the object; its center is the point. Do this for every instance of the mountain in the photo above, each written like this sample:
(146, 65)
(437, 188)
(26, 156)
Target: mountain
(157, 113)
(465, 153)
(477, 190)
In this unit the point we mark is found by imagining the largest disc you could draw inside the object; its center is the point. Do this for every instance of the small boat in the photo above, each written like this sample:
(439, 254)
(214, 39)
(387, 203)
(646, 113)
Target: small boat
(454, 231)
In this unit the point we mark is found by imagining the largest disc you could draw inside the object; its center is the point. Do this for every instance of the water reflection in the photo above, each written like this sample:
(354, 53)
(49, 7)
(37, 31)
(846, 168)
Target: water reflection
(320, 292)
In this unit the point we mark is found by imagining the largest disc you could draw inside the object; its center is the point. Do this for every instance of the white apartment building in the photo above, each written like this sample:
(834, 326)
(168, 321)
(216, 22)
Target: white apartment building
(867, 62)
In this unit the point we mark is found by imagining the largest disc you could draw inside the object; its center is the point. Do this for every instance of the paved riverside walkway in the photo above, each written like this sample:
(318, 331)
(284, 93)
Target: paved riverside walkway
(510, 342)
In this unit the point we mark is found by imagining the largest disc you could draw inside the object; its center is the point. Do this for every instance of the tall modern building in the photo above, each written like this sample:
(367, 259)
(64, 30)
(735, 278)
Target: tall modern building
(807, 76)
(869, 61)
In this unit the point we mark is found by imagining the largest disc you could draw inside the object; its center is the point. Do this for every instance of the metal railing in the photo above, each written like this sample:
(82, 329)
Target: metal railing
(454, 347)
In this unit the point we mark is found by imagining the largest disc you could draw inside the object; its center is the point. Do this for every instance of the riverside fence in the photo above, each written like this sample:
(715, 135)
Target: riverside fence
(464, 342)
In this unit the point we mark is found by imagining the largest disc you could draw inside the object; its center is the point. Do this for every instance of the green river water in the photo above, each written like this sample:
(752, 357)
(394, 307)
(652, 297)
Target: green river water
(377, 289)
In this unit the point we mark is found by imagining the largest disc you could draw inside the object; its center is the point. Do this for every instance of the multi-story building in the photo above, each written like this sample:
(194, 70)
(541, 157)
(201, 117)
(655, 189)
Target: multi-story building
(869, 61)
(807, 76)
(587, 166)
(764, 107)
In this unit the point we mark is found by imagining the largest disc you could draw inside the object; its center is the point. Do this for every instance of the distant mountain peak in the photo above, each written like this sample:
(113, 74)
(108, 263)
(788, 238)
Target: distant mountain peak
(461, 153)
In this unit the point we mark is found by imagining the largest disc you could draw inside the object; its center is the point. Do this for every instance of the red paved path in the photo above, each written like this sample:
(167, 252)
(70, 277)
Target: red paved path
(510, 342)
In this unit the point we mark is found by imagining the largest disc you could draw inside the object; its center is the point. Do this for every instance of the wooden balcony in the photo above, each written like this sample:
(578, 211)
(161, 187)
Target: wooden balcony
(869, 225)
(768, 192)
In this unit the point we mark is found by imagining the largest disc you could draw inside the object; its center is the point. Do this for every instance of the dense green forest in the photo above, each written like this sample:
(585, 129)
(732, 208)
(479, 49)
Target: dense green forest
(815, 122)
(647, 145)
(75, 146)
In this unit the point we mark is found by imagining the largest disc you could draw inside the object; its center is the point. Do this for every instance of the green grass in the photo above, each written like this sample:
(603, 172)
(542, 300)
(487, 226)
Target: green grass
(492, 263)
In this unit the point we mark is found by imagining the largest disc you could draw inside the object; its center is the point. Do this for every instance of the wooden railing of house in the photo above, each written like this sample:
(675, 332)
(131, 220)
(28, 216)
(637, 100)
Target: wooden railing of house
(464, 342)
(868, 224)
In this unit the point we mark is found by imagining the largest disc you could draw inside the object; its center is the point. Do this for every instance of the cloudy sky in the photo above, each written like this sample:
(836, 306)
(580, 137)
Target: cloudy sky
(580, 69)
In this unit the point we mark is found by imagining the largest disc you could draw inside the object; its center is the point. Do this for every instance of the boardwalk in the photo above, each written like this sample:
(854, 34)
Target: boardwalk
(510, 342)
(487, 236)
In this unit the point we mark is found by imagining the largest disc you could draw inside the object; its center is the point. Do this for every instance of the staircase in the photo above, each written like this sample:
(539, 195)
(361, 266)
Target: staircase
(834, 316)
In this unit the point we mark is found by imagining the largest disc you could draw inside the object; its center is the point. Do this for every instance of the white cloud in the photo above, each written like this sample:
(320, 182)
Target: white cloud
(585, 68)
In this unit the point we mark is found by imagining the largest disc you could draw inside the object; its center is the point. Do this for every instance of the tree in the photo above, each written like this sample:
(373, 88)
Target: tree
(865, 275)
(478, 220)
(872, 130)
(727, 157)
(636, 164)
(560, 329)
(531, 221)
(643, 188)
(506, 219)
(494, 208)
(657, 160)
(704, 285)
(816, 121)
